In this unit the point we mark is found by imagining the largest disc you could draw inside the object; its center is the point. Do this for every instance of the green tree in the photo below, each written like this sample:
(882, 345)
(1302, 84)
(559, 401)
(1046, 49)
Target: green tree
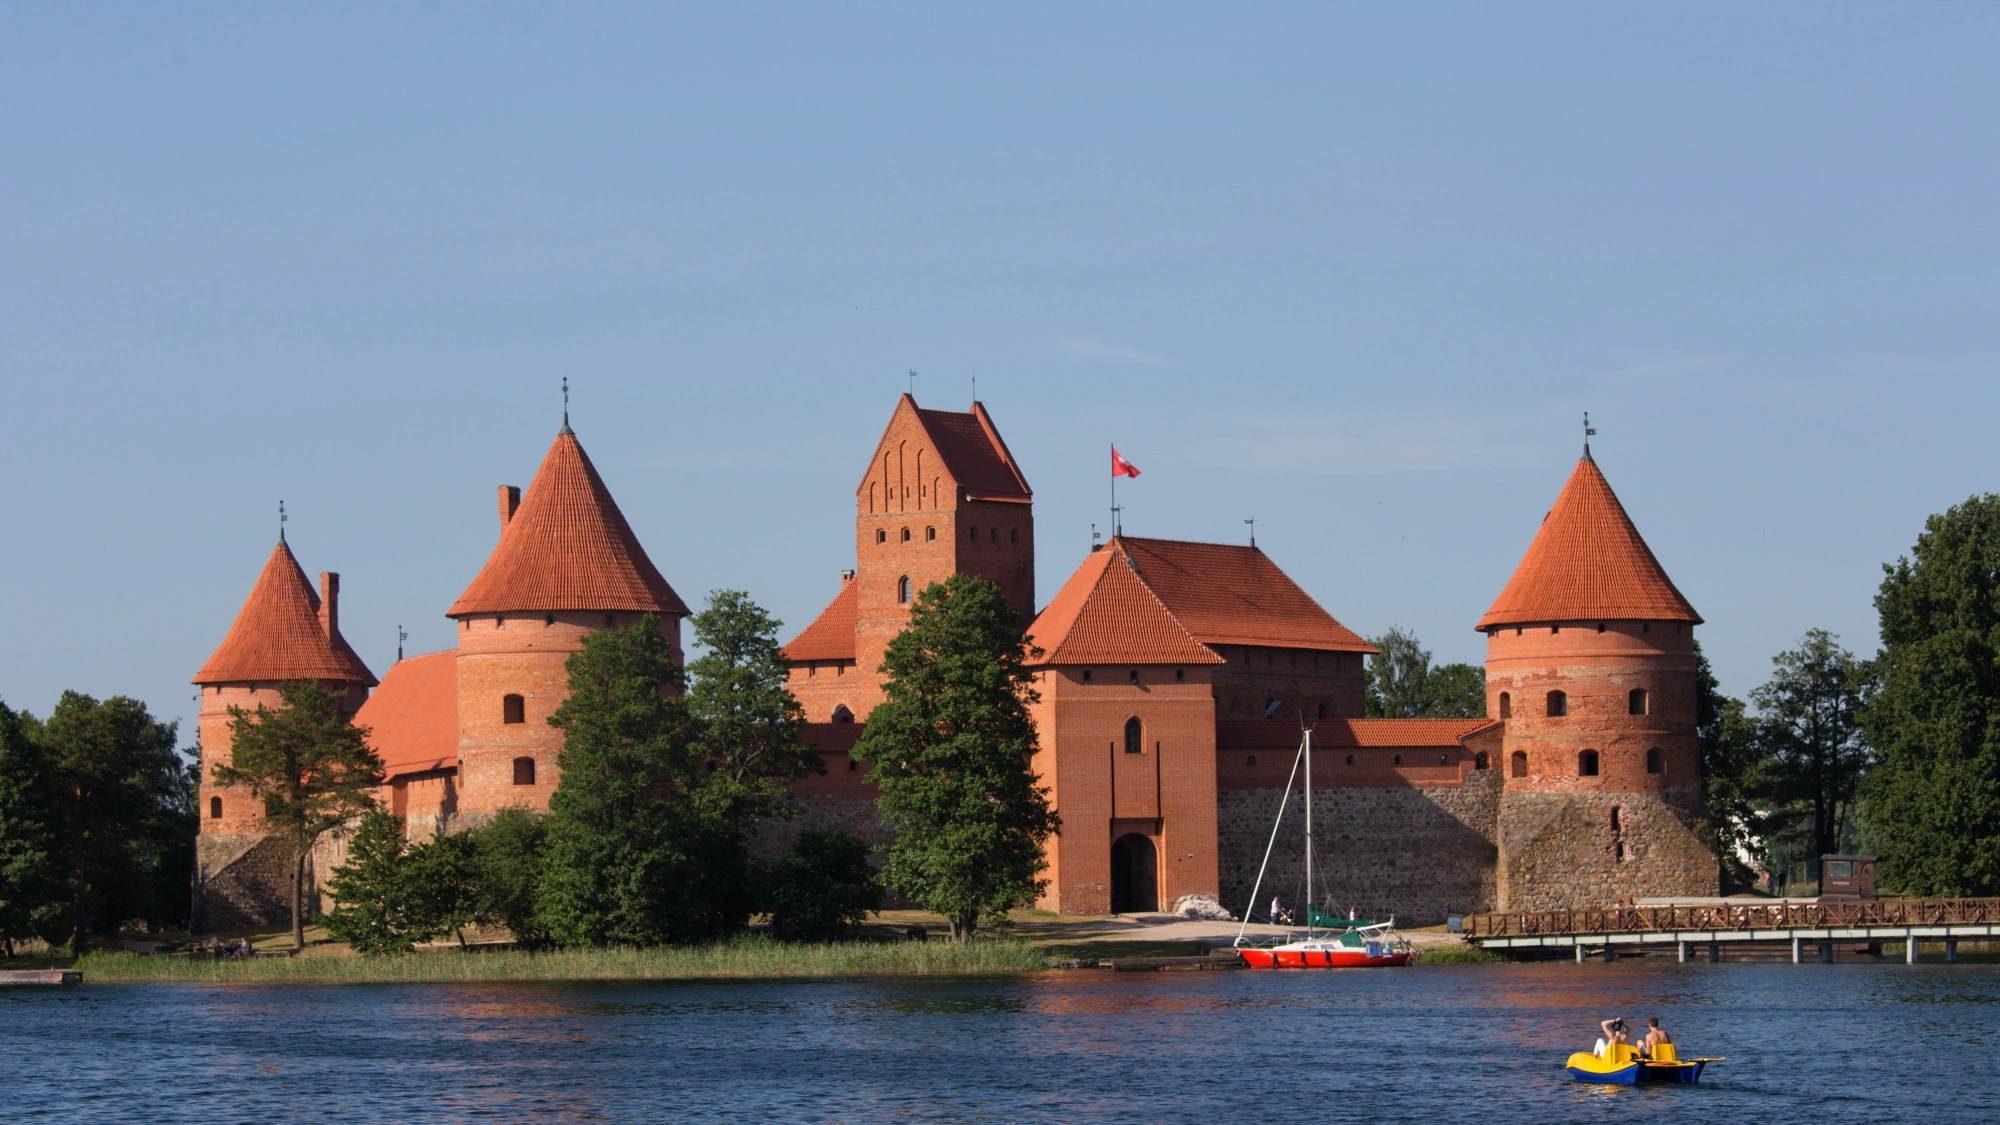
(116, 772)
(748, 721)
(823, 889)
(370, 890)
(507, 853)
(441, 886)
(311, 766)
(632, 855)
(31, 840)
(950, 745)
(1809, 730)
(1732, 776)
(1401, 683)
(1934, 797)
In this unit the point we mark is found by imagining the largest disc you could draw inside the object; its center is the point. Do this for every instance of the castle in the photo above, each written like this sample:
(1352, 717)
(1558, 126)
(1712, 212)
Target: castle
(1192, 666)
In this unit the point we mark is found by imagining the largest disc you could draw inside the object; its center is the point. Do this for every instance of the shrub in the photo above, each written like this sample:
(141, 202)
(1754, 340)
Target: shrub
(823, 889)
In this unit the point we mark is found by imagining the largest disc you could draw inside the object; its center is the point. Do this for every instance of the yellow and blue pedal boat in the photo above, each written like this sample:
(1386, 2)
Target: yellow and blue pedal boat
(1621, 1064)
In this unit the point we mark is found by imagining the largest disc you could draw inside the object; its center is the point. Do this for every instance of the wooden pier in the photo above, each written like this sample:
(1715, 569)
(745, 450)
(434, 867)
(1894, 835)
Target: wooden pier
(1707, 928)
(40, 976)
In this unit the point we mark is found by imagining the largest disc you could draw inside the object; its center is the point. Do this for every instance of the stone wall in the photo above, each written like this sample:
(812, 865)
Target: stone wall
(245, 882)
(1419, 853)
(1564, 850)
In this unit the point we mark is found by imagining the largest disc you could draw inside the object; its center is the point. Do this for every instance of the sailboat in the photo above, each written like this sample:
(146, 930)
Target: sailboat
(1329, 943)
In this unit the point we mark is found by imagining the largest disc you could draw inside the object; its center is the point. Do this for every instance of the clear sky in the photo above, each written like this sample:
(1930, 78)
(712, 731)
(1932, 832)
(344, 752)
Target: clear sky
(1353, 271)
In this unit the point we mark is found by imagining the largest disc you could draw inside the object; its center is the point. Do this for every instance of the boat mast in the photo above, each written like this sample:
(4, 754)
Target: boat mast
(1309, 831)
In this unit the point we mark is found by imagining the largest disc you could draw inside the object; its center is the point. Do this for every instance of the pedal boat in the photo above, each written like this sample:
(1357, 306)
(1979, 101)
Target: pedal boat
(1367, 947)
(1623, 1065)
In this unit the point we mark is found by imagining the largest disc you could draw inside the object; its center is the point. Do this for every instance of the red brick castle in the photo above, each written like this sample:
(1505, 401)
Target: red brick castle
(1162, 665)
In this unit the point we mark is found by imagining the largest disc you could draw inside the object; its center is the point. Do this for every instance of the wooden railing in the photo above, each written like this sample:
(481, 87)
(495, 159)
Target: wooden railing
(1772, 916)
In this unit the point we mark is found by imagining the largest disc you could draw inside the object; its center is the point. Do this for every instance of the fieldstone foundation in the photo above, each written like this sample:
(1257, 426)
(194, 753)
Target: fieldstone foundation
(1560, 851)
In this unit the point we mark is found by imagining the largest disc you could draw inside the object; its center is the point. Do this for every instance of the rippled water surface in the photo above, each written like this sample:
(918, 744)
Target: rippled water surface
(1821, 1043)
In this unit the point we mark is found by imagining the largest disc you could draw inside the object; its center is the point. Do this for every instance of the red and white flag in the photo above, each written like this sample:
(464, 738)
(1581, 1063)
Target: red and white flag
(1120, 467)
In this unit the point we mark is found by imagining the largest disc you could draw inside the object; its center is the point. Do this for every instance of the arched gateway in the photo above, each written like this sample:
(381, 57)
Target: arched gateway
(1135, 880)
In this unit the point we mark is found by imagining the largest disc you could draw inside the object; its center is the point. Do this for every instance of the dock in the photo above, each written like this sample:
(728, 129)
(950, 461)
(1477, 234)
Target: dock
(40, 976)
(1693, 931)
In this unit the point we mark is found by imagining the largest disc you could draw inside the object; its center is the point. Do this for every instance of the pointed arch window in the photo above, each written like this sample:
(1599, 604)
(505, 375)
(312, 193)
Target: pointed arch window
(1135, 736)
(903, 589)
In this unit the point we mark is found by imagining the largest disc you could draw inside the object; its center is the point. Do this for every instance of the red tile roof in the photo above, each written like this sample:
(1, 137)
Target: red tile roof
(1588, 563)
(568, 548)
(1225, 594)
(973, 453)
(278, 636)
(412, 719)
(1105, 614)
(831, 635)
(1259, 734)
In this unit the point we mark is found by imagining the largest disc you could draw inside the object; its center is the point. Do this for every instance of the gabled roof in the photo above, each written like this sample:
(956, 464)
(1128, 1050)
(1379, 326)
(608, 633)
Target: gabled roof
(568, 547)
(831, 635)
(1105, 614)
(1588, 563)
(1258, 734)
(971, 449)
(278, 636)
(412, 719)
(1224, 594)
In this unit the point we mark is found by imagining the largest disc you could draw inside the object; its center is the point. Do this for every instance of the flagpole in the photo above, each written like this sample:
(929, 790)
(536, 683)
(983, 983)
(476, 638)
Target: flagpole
(1117, 525)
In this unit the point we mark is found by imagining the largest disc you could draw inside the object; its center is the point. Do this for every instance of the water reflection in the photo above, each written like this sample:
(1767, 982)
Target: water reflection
(1820, 1043)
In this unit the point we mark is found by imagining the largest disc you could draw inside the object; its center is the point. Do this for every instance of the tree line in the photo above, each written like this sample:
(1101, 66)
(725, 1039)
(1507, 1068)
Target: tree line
(97, 822)
(1896, 755)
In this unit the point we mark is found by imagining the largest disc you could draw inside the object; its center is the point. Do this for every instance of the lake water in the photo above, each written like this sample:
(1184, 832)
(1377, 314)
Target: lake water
(1806, 1043)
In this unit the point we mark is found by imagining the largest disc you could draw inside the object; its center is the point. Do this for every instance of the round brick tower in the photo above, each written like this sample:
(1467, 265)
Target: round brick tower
(567, 564)
(283, 632)
(1590, 665)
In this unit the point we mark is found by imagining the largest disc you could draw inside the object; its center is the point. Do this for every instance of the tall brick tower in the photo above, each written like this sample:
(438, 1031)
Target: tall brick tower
(283, 632)
(1590, 665)
(942, 496)
(567, 563)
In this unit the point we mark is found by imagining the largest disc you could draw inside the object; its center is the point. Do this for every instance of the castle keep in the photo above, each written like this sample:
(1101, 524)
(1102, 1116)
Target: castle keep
(1174, 679)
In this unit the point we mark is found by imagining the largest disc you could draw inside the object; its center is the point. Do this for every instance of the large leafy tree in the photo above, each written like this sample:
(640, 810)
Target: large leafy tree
(1812, 747)
(950, 746)
(747, 719)
(1732, 777)
(1402, 684)
(507, 857)
(311, 766)
(1934, 797)
(118, 780)
(32, 895)
(632, 855)
(823, 889)
(370, 890)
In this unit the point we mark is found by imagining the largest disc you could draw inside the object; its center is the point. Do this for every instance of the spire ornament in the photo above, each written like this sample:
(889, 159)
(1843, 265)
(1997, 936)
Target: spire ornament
(566, 428)
(1588, 433)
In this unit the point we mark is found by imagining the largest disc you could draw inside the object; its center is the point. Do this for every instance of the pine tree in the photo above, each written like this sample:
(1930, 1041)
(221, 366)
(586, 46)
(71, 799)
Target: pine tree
(950, 746)
(1809, 735)
(748, 720)
(632, 856)
(312, 767)
(370, 890)
(1934, 797)
(31, 870)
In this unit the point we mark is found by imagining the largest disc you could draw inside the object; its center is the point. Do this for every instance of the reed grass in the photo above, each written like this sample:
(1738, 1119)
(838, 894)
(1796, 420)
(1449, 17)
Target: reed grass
(1453, 955)
(743, 959)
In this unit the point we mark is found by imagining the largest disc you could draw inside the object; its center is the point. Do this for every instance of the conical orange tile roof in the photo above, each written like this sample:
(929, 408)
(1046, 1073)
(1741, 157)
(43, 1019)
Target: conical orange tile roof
(567, 548)
(1588, 563)
(278, 636)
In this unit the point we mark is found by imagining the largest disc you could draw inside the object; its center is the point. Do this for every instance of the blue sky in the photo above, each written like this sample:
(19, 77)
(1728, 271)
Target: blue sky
(1353, 270)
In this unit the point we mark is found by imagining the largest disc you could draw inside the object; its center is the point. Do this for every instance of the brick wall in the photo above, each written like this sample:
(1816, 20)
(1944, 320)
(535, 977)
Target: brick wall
(1326, 685)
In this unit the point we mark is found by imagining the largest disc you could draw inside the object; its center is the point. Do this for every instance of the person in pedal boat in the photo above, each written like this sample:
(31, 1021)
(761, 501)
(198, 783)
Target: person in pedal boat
(1655, 1036)
(1614, 1032)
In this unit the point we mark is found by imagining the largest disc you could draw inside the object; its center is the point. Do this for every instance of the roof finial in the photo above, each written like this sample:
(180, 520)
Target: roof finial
(566, 428)
(913, 382)
(1253, 531)
(1588, 433)
(975, 388)
(400, 638)
(281, 521)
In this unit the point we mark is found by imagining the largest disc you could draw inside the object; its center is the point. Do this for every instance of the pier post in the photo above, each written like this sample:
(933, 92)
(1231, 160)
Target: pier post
(1795, 948)
(1951, 950)
(1714, 952)
(1681, 952)
(1579, 952)
(1826, 950)
(1910, 947)
(1610, 952)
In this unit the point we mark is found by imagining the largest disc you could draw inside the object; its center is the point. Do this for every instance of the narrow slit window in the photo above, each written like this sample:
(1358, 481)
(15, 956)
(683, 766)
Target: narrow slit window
(1135, 736)
(903, 589)
(1506, 706)
(930, 533)
(215, 808)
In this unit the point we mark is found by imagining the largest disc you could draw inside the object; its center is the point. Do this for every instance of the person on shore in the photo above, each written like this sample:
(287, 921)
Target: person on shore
(1277, 912)
(1655, 1036)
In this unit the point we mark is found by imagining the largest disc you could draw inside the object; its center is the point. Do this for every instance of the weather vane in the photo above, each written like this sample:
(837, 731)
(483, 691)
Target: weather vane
(913, 382)
(400, 638)
(565, 428)
(281, 521)
(1253, 531)
(1588, 433)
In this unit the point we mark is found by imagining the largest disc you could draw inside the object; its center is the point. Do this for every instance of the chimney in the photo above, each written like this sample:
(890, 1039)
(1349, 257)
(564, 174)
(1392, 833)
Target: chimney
(846, 579)
(510, 499)
(329, 604)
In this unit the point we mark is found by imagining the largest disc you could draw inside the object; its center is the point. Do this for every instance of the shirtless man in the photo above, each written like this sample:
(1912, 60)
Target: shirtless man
(1614, 1032)
(1654, 1035)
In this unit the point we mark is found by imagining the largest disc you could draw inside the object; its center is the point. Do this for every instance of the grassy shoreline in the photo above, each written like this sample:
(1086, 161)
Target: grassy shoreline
(746, 959)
